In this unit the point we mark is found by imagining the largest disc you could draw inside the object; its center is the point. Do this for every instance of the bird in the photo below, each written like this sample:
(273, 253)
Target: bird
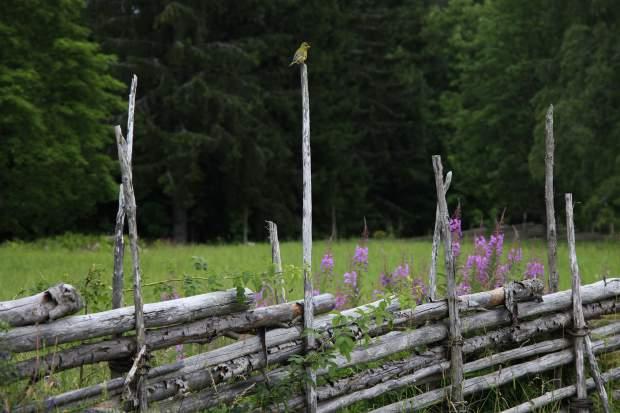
(301, 54)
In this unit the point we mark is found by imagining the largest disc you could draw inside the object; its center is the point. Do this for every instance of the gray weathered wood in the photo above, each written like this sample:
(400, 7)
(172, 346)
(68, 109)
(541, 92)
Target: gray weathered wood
(222, 360)
(119, 243)
(74, 328)
(495, 379)
(276, 259)
(398, 377)
(82, 327)
(131, 213)
(560, 394)
(456, 355)
(432, 276)
(552, 240)
(581, 342)
(49, 305)
(202, 330)
(307, 235)
(226, 393)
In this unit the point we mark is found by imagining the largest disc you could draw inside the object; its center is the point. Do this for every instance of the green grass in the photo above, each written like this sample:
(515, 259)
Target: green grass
(24, 267)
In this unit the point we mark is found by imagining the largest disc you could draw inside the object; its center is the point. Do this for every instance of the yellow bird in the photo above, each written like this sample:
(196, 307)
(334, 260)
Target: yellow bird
(301, 54)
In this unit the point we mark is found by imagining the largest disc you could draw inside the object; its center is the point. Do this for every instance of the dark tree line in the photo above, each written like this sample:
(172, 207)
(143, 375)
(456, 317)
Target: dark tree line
(217, 145)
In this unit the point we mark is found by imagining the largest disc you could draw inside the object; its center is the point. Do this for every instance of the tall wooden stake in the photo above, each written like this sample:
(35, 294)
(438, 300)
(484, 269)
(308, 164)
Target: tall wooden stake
(311, 396)
(456, 338)
(552, 240)
(432, 276)
(119, 244)
(120, 367)
(130, 211)
(276, 260)
(582, 337)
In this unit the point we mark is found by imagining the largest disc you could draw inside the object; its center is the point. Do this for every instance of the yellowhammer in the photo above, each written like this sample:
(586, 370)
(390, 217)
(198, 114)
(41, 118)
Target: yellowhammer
(301, 54)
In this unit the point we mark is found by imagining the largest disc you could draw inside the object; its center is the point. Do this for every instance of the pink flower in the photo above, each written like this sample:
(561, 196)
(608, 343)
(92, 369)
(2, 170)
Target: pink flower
(350, 278)
(341, 301)
(361, 255)
(327, 263)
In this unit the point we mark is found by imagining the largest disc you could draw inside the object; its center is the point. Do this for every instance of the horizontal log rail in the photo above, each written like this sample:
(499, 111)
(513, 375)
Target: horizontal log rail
(89, 326)
(206, 329)
(49, 305)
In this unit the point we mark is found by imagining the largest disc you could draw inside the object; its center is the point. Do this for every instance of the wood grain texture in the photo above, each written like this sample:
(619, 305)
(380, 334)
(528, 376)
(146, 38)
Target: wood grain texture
(54, 303)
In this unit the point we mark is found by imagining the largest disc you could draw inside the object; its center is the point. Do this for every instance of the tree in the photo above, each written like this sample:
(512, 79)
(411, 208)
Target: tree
(55, 94)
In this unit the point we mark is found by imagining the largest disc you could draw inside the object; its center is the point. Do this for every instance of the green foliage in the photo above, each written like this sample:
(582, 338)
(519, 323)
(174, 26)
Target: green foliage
(55, 92)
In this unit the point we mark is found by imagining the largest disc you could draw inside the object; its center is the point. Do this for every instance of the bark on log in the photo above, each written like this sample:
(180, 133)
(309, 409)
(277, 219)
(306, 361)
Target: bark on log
(440, 366)
(118, 321)
(207, 328)
(582, 339)
(225, 394)
(552, 240)
(552, 302)
(390, 376)
(49, 305)
(559, 394)
(503, 376)
(307, 236)
(432, 276)
(457, 403)
(394, 342)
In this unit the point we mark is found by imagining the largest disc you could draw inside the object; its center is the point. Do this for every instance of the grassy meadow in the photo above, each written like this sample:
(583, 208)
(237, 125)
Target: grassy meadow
(29, 267)
(26, 267)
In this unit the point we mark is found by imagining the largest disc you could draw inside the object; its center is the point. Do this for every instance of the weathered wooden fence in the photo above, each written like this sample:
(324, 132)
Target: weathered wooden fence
(516, 322)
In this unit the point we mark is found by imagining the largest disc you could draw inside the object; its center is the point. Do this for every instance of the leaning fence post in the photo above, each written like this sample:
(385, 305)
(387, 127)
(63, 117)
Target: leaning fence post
(117, 367)
(456, 339)
(276, 260)
(552, 241)
(582, 335)
(432, 276)
(139, 366)
(311, 395)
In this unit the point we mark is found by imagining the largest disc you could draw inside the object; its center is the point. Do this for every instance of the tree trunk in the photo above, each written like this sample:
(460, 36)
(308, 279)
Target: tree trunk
(245, 218)
(179, 217)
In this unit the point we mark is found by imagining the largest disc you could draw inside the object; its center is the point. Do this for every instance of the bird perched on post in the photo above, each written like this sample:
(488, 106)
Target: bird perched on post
(301, 54)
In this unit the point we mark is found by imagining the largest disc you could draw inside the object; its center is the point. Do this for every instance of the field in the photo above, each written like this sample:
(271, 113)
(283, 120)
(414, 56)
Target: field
(86, 262)
(27, 267)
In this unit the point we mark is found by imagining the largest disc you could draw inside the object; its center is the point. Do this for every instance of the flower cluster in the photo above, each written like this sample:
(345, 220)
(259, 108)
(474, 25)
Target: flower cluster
(534, 269)
(327, 263)
(457, 234)
(361, 256)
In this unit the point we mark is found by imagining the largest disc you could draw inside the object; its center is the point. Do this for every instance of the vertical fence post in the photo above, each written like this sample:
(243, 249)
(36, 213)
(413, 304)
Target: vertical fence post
(552, 241)
(138, 369)
(119, 244)
(118, 367)
(311, 395)
(582, 337)
(456, 339)
(276, 259)
(432, 276)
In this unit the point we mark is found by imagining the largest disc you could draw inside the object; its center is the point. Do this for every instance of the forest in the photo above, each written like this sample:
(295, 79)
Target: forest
(218, 117)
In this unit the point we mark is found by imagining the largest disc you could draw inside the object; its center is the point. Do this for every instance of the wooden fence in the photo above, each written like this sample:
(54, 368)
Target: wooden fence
(524, 330)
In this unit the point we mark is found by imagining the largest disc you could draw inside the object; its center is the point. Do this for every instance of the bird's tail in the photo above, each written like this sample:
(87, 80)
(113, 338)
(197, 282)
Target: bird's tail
(292, 63)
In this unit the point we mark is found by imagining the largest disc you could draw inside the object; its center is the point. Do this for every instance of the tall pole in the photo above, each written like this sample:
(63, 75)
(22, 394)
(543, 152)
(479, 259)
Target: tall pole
(311, 395)
(552, 241)
(456, 401)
